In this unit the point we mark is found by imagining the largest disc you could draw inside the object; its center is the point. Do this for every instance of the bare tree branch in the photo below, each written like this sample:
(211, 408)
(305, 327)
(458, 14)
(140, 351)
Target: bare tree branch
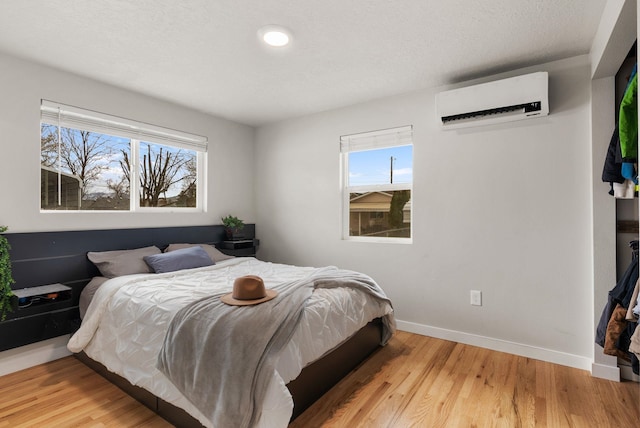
(160, 169)
(83, 153)
(48, 145)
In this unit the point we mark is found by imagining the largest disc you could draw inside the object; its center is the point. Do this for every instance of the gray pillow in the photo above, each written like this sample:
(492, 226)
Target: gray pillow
(213, 252)
(87, 293)
(186, 258)
(122, 262)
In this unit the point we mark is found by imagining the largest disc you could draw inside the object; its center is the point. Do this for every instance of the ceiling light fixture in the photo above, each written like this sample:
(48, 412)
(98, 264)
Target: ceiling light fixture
(275, 35)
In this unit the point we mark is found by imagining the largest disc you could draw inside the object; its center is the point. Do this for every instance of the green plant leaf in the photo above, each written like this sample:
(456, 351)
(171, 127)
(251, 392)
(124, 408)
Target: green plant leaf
(5, 276)
(232, 222)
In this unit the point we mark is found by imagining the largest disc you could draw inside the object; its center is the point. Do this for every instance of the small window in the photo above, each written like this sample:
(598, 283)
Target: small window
(377, 182)
(95, 162)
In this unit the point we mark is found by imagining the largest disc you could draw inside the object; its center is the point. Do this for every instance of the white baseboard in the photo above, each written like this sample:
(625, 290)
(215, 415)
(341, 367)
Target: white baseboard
(626, 372)
(605, 372)
(31, 355)
(27, 356)
(520, 349)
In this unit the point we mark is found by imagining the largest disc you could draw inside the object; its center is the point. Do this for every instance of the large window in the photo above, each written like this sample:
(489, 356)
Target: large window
(91, 161)
(377, 169)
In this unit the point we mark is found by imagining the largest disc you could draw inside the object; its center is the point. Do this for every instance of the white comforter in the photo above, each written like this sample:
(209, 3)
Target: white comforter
(127, 319)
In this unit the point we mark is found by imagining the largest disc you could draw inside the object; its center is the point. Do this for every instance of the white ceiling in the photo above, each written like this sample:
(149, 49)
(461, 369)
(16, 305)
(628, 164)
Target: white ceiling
(205, 53)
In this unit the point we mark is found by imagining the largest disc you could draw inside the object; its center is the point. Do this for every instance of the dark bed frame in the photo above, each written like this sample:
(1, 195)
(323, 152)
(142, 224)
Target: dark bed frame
(60, 257)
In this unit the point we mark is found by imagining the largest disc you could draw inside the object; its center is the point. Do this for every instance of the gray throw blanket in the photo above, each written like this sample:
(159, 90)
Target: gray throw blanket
(222, 357)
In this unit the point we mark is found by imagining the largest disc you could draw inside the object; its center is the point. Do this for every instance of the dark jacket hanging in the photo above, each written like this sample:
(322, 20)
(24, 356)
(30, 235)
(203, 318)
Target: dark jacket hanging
(611, 173)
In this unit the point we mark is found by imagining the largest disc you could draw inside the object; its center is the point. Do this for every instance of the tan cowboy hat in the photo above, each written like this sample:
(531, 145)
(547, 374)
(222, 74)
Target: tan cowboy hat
(248, 290)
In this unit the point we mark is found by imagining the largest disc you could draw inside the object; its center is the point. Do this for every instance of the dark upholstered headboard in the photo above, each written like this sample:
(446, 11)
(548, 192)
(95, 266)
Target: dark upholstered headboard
(41, 258)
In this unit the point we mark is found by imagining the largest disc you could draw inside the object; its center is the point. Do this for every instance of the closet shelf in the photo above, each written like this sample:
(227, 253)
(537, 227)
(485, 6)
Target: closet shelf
(627, 226)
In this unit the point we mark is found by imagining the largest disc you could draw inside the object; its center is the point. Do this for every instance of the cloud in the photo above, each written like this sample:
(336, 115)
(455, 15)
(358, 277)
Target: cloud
(403, 171)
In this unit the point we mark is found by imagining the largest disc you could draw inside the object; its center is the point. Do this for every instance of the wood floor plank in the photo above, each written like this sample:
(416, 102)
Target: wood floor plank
(465, 386)
(414, 381)
(66, 393)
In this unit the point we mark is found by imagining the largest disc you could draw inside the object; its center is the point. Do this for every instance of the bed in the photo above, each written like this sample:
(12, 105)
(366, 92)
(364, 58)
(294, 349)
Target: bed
(124, 329)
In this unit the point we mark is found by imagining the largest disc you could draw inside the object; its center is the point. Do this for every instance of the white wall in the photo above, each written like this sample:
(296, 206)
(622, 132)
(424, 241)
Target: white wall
(24, 84)
(505, 209)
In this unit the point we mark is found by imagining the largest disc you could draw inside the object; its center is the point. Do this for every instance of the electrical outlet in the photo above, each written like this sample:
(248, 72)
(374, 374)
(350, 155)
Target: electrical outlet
(476, 297)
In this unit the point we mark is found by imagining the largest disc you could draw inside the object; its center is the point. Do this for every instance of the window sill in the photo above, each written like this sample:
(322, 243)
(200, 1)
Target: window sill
(376, 240)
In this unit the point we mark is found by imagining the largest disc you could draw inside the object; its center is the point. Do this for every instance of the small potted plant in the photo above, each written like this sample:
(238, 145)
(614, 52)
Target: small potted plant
(8, 300)
(233, 227)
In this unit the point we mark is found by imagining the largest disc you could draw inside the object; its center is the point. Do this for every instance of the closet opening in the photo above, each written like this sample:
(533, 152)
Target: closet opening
(627, 230)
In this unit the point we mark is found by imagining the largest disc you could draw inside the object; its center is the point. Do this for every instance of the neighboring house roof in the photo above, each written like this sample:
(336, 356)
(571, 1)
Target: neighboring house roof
(369, 196)
(373, 202)
(64, 174)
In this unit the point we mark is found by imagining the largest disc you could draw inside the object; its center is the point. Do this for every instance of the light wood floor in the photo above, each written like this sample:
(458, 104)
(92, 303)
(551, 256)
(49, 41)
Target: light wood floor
(66, 393)
(417, 381)
(414, 381)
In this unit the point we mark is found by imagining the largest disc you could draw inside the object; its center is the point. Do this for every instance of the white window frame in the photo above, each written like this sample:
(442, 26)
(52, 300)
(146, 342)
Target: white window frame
(386, 138)
(87, 120)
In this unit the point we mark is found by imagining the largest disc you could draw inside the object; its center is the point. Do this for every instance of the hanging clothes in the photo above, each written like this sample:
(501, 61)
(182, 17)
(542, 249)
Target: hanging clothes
(621, 188)
(634, 346)
(616, 333)
(619, 295)
(634, 330)
(616, 325)
(628, 129)
(612, 170)
(620, 163)
(633, 305)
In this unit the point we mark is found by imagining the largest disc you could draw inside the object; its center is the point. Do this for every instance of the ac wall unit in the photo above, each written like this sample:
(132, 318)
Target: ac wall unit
(515, 98)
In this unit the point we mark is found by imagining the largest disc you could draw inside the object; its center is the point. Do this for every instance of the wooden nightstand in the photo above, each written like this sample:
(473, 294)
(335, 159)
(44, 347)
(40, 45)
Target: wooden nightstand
(241, 248)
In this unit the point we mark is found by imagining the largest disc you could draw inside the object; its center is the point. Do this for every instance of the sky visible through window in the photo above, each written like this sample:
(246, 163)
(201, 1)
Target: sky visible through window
(374, 166)
(97, 169)
(113, 170)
